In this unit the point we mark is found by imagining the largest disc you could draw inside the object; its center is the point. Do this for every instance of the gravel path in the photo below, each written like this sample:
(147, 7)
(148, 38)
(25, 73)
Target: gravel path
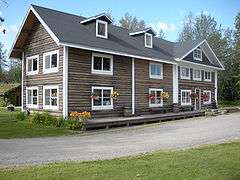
(121, 142)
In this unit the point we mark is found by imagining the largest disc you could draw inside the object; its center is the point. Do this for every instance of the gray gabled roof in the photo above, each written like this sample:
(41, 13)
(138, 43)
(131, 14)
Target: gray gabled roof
(68, 29)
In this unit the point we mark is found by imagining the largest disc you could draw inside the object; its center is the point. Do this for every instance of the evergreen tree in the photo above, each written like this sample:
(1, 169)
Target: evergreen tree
(131, 23)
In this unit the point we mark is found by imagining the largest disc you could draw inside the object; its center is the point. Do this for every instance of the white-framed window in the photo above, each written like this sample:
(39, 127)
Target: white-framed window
(185, 97)
(156, 70)
(50, 97)
(102, 64)
(148, 40)
(197, 75)
(208, 76)
(32, 65)
(50, 61)
(197, 54)
(101, 29)
(208, 98)
(156, 100)
(32, 97)
(103, 99)
(185, 73)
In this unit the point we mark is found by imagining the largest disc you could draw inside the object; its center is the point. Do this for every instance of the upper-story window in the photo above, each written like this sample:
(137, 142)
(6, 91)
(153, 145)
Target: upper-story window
(32, 65)
(197, 75)
(207, 76)
(50, 61)
(185, 73)
(101, 29)
(156, 70)
(197, 54)
(148, 40)
(102, 64)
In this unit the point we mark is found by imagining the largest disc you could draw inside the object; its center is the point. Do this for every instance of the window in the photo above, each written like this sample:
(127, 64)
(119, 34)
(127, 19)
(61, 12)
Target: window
(185, 73)
(104, 99)
(32, 97)
(102, 64)
(32, 65)
(50, 61)
(156, 100)
(206, 97)
(197, 75)
(148, 40)
(185, 97)
(101, 29)
(50, 97)
(207, 76)
(156, 70)
(197, 54)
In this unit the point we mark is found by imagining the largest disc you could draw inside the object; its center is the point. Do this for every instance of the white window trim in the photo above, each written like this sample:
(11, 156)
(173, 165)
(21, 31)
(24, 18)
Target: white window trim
(32, 72)
(102, 107)
(148, 46)
(106, 28)
(197, 79)
(156, 76)
(186, 104)
(34, 106)
(50, 107)
(104, 72)
(208, 80)
(155, 105)
(210, 97)
(196, 58)
(185, 77)
(50, 70)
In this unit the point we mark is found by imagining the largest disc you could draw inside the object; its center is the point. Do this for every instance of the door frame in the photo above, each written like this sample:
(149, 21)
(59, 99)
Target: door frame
(199, 99)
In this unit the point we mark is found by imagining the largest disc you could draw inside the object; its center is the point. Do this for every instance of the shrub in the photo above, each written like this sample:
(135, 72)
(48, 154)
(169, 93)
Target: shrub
(61, 122)
(73, 123)
(20, 116)
(3, 102)
(36, 118)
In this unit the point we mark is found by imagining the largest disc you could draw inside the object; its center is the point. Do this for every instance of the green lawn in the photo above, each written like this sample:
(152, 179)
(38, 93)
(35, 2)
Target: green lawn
(209, 162)
(11, 128)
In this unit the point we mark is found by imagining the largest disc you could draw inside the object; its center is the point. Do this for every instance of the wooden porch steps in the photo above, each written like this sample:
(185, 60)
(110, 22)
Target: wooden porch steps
(100, 123)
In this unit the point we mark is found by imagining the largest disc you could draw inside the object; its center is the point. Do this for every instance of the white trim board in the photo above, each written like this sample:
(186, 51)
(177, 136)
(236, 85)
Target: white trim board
(65, 82)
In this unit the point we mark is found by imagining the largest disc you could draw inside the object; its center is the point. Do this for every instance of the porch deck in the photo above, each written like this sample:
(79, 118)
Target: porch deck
(100, 123)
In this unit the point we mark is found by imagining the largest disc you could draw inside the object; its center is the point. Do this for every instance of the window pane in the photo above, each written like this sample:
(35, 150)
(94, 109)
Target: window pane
(29, 65)
(97, 102)
(101, 29)
(148, 40)
(47, 96)
(106, 93)
(54, 61)
(54, 101)
(34, 100)
(106, 101)
(106, 64)
(29, 96)
(47, 62)
(97, 63)
(35, 64)
(54, 92)
(34, 92)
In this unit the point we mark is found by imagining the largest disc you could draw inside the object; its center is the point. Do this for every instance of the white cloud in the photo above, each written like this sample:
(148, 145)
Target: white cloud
(9, 28)
(166, 27)
(1, 13)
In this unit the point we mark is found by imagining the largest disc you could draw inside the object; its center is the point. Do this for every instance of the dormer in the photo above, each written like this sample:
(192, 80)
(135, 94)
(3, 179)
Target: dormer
(147, 36)
(101, 22)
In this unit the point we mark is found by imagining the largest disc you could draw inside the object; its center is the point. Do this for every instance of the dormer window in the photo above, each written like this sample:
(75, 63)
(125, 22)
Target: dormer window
(148, 40)
(197, 54)
(101, 29)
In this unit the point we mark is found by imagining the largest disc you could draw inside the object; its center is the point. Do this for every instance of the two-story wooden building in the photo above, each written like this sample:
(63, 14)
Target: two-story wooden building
(73, 63)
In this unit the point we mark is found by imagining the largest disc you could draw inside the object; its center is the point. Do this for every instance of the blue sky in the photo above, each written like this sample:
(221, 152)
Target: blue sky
(167, 15)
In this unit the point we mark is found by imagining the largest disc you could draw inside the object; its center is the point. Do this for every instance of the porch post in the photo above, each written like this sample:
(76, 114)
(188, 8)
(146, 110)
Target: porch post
(65, 81)
(175, 83)
(133, 86)
(22, 86)
(216, 86)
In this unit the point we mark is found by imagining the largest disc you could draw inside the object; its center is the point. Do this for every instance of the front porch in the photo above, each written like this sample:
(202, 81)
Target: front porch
(101, 123)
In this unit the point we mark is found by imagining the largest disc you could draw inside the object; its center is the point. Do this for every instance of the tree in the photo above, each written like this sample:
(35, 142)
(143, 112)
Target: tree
(3, 60)
(14, 73)
(161, 34)
(131, 23)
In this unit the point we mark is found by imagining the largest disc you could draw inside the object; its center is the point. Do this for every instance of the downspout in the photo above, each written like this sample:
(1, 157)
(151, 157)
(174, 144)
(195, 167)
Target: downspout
(65, 81)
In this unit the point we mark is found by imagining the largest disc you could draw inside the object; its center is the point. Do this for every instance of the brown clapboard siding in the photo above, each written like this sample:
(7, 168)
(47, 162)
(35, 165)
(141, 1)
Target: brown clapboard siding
(39, 42)
(81, 80)
(143, 82)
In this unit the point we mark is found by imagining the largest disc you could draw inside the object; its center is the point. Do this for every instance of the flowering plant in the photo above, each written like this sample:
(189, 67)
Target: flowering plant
(94, 96)
(165, 95)
(151, 97)
(115, 94)
(81, 115)
(205, 97)
(194, 96)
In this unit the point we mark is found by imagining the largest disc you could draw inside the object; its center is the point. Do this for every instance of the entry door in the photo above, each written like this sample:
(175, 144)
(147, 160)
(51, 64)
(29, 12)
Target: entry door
(198, 99)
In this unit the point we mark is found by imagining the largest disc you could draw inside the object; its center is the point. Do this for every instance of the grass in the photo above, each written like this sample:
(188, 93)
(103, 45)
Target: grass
(223, 103)
(11, 128)
(208, 162)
